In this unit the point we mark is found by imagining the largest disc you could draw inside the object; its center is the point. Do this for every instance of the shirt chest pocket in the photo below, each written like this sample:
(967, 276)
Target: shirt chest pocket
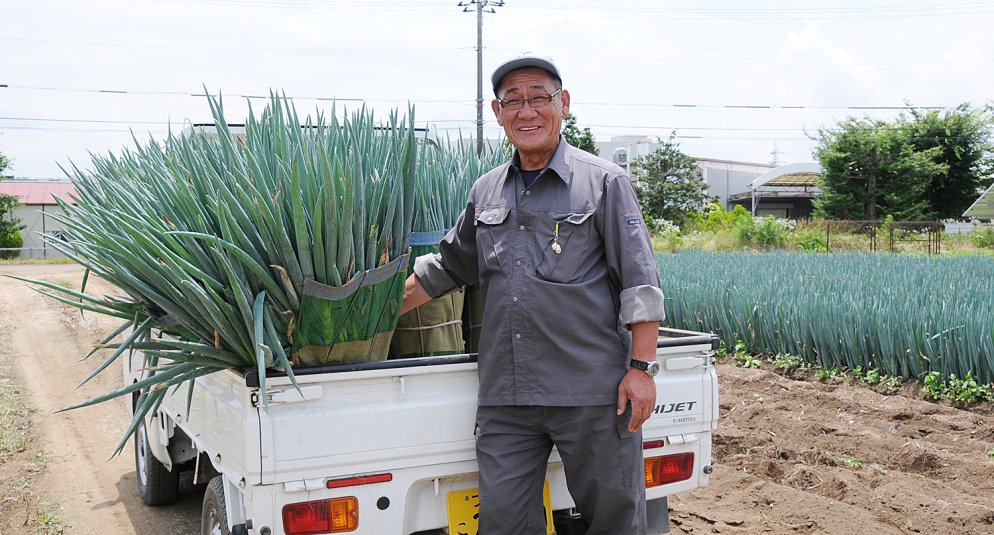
(491, 228)
(564, 243)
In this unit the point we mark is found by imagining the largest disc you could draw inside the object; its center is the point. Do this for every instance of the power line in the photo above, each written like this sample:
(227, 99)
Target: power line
(675, 105)
(229, 48)
(663, 61)
(937, 9)
(779, 13)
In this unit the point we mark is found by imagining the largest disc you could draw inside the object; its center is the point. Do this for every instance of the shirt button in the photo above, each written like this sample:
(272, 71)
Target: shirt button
(527, 192)
(515, 299)
(517, 262)
(522, 227)
(518, 336)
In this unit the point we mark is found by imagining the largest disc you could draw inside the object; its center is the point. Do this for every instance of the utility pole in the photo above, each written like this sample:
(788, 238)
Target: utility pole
(481, 8)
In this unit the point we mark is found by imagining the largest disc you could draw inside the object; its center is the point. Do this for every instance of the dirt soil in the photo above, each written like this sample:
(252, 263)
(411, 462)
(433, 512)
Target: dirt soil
(792, 456)
(64, 479)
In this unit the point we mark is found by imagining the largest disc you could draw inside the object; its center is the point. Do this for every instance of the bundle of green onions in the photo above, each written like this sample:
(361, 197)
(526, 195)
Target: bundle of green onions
(445, 178)
(211, 238)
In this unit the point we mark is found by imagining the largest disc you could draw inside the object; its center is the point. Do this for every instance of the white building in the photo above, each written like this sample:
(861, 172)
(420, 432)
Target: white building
(725, 178)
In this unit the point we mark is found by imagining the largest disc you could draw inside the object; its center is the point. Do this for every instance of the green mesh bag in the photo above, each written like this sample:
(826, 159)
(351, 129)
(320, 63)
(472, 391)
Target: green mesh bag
(350, 323)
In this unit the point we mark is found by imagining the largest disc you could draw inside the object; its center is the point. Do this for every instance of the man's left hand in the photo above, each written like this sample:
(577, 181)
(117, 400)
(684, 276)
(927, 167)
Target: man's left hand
(639, 389)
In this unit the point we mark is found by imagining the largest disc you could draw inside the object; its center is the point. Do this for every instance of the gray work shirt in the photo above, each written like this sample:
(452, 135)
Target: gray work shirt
(555, 324)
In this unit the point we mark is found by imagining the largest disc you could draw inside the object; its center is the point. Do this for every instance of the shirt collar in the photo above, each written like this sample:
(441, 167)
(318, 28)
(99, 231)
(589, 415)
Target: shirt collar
(557, 164)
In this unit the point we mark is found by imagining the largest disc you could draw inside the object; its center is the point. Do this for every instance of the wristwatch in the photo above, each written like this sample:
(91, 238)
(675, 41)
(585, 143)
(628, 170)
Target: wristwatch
(651, 368)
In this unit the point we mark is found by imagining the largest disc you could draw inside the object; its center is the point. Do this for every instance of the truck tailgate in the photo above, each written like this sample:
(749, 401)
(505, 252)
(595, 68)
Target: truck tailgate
(355, 422)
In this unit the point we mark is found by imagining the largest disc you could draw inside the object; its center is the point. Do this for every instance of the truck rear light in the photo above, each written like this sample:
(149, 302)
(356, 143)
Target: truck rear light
(653, 444)
(668, 469)
(359, 480)
(338, 515)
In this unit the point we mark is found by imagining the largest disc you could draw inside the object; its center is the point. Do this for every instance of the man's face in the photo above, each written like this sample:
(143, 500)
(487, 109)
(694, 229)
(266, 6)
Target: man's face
(533, 131)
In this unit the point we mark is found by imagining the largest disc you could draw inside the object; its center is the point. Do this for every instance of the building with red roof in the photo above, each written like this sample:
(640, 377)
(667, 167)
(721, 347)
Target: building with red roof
(38, 204)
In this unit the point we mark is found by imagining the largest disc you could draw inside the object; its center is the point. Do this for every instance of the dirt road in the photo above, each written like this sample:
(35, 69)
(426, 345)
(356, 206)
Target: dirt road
(791, 456)
(78, 488)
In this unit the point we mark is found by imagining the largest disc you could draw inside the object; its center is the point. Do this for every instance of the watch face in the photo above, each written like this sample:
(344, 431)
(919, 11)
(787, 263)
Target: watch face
(653, 368)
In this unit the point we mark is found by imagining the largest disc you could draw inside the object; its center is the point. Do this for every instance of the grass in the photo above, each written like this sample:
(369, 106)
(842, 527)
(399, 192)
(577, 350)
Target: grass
(19, 465)
(35, 261)
(47, 522)
(14, 414)
(849, 462)
(796, 368)
(717, 230)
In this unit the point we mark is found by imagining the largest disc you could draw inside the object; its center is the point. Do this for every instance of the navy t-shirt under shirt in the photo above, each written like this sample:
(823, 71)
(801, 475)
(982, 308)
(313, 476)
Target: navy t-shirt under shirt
(529, 176)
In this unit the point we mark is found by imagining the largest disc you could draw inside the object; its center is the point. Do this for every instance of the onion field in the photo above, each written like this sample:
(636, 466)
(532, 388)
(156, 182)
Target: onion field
(904, 314)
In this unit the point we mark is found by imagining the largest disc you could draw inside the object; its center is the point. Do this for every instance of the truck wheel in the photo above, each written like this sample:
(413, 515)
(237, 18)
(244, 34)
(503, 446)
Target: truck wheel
(157, 485)
(214, 517)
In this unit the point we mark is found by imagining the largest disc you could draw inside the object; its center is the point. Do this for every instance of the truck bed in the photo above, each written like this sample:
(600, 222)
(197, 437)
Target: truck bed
(406, 424)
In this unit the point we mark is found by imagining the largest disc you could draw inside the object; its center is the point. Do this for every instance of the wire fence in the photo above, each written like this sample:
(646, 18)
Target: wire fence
(30, 253)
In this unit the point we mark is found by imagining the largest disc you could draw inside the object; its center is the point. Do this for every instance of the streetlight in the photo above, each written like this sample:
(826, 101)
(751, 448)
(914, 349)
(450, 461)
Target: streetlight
(482, 6)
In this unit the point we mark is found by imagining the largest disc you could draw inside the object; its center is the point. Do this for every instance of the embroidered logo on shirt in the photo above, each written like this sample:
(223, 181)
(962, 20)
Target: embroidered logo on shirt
(634, 221)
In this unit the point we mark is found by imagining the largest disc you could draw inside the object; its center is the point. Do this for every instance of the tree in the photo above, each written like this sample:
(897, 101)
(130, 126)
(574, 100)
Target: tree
(10, 226)
(924, 165)
(963, 139)
(580, 139)
(669, 183)
(870, 170)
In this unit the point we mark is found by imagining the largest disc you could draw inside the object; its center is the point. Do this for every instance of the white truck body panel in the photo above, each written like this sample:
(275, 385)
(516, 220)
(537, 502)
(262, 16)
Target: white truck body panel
(415, 423)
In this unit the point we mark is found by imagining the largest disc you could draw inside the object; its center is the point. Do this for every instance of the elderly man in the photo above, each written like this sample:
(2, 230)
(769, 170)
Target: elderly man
(572, 306)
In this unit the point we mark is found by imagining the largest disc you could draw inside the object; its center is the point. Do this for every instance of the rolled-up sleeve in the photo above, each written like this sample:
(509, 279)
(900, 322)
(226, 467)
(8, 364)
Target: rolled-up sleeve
(630, 258)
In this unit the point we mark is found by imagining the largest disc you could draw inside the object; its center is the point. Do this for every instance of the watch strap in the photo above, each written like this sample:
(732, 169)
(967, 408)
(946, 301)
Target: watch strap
(639, 364)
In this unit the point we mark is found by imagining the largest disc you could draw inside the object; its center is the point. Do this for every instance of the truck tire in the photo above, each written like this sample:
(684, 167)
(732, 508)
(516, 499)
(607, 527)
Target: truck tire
(214, 517)
(157, 485)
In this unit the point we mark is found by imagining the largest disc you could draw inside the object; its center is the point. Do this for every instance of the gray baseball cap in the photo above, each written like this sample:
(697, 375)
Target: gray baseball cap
(521, 62)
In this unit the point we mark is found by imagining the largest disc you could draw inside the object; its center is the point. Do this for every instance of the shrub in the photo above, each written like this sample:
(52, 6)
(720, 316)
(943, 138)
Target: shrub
(811, 241)
(11, 240)
(766, 233)
(666, 234)
(966, 390)
(983, 238)
(715, 217)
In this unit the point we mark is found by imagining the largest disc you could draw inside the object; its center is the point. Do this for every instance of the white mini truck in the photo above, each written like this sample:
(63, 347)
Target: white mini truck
(387, 447)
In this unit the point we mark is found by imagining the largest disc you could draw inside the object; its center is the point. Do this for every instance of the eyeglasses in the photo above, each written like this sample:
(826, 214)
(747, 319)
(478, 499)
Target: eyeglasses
(538, 101)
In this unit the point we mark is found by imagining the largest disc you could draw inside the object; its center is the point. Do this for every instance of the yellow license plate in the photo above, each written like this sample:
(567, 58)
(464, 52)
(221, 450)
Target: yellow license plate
(464, 511)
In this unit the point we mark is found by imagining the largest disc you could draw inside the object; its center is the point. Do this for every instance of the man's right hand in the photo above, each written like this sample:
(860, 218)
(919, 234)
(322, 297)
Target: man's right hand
(414, 295)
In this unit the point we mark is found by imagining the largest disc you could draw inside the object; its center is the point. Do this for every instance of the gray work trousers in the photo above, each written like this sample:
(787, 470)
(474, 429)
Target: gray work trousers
(602, 459)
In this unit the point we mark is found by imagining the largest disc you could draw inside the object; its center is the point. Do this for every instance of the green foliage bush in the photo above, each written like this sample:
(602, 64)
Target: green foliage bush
(715, 217)
(965, 390)
(766, 233)
(983, 238)
(811, 241)
(11, 240)
(666, 235)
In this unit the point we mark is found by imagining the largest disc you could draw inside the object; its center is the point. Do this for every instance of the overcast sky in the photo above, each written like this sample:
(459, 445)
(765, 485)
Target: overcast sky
(733, 79)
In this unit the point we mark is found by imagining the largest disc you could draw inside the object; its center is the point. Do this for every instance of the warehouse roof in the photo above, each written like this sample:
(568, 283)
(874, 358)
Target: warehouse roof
(38, 192)
(983, 207)
(802, 174)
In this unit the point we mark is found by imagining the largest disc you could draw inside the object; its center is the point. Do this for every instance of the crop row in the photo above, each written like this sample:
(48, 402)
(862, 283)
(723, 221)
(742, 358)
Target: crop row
(907, 315)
